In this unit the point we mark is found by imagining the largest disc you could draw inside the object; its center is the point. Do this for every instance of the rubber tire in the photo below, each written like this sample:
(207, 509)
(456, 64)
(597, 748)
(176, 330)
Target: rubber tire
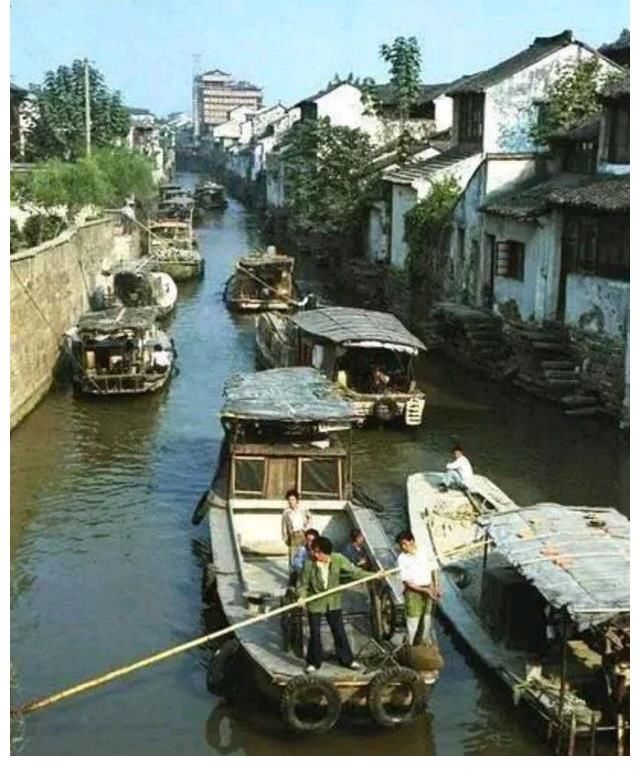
(392, 676)
(221, 667)
(385, 410)
(387, 629)
(294, 688)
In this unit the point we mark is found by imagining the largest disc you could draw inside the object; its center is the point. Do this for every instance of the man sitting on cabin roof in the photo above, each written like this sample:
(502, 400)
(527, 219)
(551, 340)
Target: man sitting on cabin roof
(459, 472)
(320, 574)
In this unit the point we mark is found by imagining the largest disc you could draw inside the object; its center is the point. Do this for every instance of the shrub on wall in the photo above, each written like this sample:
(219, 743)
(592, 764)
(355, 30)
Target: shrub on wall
(41, 227)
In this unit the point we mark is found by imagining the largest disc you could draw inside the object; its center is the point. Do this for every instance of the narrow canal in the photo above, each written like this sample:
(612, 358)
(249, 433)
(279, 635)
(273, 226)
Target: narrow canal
(106, 566)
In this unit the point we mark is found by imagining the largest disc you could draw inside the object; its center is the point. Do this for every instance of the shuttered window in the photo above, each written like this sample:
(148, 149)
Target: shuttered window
(510, 259)
(593, 245)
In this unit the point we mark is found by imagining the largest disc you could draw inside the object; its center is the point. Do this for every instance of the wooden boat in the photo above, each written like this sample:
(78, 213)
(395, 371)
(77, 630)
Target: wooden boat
(540, 594)
(172, 248)
(210, 196)
(112, 351)
(346, 344)
(281, 432)
(135, 287)
(261, 281)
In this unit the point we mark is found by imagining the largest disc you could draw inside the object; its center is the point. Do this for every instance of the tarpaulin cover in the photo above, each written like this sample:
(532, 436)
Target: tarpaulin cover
(292, 394)
(577, 557)
(116, 319)
(346, 325)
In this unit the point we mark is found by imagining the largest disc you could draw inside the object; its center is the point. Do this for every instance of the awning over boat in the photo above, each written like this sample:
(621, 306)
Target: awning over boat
(294, 394)
(351, 326)
(111, 320)
(577, 557)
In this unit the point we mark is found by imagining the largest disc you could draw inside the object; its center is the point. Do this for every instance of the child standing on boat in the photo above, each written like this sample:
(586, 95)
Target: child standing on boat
(295, 521)
(418, 573)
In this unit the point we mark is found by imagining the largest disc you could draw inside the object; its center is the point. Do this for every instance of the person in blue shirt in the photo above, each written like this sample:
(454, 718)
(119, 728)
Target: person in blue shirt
(302, 554)
(355, 550)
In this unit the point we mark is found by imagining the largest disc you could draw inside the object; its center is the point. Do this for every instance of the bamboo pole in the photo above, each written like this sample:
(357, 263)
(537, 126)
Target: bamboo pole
(157, 657)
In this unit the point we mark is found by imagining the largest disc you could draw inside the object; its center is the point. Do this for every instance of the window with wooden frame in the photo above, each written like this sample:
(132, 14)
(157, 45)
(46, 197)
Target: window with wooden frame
(470, 118)
(596, 245)
(320, 478)
(249, 476)
(619, 134)
(581, 157)
(509, 259)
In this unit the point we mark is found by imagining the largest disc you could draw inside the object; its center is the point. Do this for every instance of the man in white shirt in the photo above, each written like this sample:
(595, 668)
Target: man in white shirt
(459, 472)
(418, 573)
(295, 521)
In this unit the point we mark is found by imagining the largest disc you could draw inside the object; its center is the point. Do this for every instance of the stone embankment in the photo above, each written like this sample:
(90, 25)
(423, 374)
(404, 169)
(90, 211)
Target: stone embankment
(50, 288)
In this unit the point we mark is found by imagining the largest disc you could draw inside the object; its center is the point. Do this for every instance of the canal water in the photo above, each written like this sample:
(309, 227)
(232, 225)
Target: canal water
(106, 566)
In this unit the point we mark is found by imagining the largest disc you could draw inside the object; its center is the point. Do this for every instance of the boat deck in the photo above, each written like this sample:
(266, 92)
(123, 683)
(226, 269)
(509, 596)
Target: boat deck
(263, 641)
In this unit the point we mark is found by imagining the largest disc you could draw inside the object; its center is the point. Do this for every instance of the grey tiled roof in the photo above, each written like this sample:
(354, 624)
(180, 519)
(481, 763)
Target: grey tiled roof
(587, 130)
(604, 193)
(429, 168)
(540, 48)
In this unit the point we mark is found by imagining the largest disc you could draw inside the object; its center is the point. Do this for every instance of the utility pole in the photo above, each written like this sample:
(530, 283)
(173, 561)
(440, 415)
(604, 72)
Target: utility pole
(87, 108)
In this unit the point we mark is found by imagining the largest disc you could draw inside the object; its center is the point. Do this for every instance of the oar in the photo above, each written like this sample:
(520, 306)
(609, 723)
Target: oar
(157, 657)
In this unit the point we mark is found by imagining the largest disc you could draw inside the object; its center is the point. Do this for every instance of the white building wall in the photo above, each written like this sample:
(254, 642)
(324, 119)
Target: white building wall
(444, 113)
(509, 110)
(403, 198)
(597, 304)
(343, 106)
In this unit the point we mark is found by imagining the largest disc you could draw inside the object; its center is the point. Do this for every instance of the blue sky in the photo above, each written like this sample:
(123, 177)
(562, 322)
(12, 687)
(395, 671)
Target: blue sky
(291, 48)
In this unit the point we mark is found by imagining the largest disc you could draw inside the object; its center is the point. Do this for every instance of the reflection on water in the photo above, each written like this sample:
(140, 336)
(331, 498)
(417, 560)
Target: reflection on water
(106, 566)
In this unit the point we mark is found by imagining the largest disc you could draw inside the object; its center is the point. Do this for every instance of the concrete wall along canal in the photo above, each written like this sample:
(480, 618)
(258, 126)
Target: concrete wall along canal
(50, 288)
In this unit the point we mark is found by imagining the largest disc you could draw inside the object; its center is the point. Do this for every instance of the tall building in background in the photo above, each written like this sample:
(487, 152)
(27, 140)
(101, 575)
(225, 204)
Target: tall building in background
(215, 93)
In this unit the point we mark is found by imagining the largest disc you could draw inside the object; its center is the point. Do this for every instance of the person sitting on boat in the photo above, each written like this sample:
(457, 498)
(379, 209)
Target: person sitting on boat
(320, 574)
(355, 551)
(418, 573)
(302, 554)
(160, 359)
(459, 472)
(295, 521)
(379, 380)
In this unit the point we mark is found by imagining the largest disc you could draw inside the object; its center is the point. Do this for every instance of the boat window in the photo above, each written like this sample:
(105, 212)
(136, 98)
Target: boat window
(320, 478)
(249, 476)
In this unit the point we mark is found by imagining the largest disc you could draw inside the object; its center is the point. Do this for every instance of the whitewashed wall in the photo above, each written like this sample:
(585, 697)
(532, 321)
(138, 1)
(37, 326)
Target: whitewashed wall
(597, 304)
(509, 105)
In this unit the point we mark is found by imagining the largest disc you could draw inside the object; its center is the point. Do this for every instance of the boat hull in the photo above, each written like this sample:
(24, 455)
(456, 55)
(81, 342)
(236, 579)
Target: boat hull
(179, 270)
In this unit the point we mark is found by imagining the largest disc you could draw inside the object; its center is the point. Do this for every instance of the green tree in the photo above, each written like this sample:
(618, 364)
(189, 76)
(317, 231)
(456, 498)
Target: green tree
(404, 59)
(326, 175)
(571, 99)
(129, 173)
(73, 185)
(59, 129)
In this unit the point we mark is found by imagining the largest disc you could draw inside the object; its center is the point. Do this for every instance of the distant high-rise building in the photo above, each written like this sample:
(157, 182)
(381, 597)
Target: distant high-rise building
(215, 93)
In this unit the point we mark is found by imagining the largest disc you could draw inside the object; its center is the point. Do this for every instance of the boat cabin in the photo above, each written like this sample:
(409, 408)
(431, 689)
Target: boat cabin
(113, 351)
(262, 281)
(370, 355)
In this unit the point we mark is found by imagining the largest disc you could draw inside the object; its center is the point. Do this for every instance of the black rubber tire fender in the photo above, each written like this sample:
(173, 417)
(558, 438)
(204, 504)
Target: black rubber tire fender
(385, 409)
(391, 676)
(221, 667)
(294, 691)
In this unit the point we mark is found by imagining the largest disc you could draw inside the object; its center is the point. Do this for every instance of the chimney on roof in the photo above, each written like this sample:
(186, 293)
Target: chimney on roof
(566, 36)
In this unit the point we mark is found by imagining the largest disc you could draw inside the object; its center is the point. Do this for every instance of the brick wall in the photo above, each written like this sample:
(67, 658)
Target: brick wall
(49, 290)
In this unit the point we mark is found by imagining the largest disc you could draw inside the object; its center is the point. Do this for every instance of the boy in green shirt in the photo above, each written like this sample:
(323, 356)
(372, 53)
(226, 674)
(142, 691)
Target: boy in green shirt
(321, 573)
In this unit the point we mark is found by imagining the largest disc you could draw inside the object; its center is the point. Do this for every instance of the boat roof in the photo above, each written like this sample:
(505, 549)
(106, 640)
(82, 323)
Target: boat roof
(577, 557)
(257, 260)
(352, 325)
(295, 394)
(179, 199)
(117, 319)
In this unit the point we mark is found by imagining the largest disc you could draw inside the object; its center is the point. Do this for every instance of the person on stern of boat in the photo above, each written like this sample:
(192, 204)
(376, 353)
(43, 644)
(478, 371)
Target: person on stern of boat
(418, 573)
(459, 472)
(160, 359)
(323, 573)
(295, 521)
(302, 554)
(379, 380)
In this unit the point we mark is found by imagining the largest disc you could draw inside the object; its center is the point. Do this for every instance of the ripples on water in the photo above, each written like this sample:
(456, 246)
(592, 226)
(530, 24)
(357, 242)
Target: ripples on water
(106, 566)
